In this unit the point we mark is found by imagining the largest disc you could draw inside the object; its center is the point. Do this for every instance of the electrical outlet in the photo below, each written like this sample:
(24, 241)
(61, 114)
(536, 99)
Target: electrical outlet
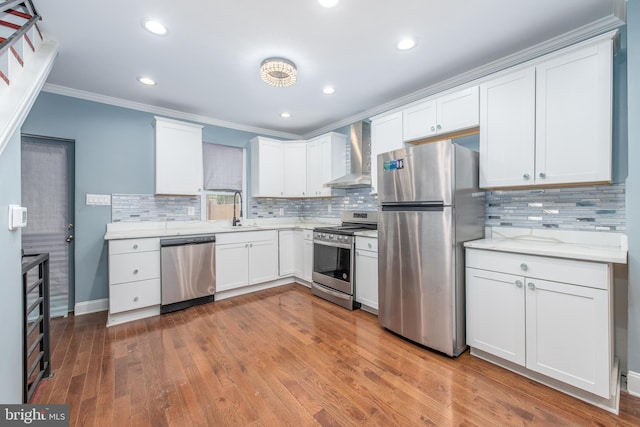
(329, 208)
(281, 212)
(191, 211)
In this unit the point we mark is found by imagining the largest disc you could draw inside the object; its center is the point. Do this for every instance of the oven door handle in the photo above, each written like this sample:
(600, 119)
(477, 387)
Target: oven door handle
(333, 245)
(336, 294)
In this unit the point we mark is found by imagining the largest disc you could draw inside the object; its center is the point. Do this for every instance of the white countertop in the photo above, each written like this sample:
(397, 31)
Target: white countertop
(579, 245)
(132, 230)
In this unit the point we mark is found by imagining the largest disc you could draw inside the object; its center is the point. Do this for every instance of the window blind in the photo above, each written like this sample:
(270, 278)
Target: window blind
(223, 167)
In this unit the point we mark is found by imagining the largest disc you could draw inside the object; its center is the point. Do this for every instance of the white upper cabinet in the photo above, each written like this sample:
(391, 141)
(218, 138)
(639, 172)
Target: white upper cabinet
(267, 160)
(386, 135)
(449, 113)
(295, 169)
(325, 162)
(550, 123)
(178, 157)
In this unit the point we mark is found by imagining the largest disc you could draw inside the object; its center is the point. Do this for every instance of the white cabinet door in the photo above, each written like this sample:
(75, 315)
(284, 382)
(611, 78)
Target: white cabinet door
(298, 240)
(507, 130)
(232, 266)
(307, 260)
(386, 135)
(495, 314)
(420, 121)
(568, 334)
(263, 261)
(295, 169)
(458, 110)
(286, 251)
(267, 161)
(573, 116)
(178, 157)
(314, 168)
(367, 278)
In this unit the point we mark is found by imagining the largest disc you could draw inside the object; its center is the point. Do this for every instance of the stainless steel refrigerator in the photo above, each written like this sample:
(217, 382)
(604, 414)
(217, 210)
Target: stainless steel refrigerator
(429, 205)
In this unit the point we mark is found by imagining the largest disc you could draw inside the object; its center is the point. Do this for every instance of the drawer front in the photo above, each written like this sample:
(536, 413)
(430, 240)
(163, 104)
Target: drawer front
(128, 246)
(582, 273)
(367, 244)
(246, 236)
(134, 267)
(130, 296)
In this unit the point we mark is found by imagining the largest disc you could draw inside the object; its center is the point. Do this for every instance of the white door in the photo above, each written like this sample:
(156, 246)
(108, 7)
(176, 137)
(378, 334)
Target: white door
(507, 123)
(568, 333)
(573, 116)
(386, 135)
(263, 261)
(458, 111)
(295, 169)
(367, 278)
(232, 266)
(48, 195)
(495, 314)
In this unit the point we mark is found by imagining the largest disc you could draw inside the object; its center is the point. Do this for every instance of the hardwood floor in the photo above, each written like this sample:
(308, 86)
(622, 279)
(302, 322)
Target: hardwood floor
(285, 357)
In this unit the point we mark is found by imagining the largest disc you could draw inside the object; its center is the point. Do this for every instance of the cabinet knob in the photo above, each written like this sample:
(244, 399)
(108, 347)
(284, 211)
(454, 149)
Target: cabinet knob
(246, 245)
(357, 253)
(542, 175)
(250, 245)
(524, 266)
(135, 299)
(136, 271)
(526, 176)
(531, 286)
(439, 127)
(519, 283)
(135, 246)
(369, 245)
(433, 128)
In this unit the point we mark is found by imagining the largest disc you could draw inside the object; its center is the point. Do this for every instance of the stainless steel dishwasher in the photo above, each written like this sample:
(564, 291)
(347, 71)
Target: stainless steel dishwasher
(188, 267)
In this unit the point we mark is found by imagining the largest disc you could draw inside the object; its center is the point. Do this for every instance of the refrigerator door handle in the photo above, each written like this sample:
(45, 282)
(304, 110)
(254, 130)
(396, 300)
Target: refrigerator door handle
(413, 207)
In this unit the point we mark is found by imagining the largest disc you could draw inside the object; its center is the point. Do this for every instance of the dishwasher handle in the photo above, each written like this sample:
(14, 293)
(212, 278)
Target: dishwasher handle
(188, 240)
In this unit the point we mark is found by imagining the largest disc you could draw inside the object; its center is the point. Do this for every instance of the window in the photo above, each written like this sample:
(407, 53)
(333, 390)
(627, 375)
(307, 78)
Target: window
(224, 168)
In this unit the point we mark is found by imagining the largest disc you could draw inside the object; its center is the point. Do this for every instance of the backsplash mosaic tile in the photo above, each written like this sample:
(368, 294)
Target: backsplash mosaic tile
(589, 208)
(149, 207)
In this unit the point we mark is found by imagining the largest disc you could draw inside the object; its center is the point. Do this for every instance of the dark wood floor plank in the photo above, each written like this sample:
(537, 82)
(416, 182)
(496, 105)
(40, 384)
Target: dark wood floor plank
(285, 357)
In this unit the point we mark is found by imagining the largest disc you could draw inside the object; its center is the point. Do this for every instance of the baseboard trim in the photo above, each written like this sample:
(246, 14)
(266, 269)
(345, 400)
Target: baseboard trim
(94, 306)
(633, 383)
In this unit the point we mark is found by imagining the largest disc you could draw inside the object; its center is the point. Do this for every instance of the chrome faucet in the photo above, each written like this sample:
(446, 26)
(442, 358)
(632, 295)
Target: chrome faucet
(236, 221)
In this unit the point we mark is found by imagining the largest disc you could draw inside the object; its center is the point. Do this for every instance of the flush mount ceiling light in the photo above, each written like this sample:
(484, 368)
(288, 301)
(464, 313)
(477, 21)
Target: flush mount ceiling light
(155, 27)
(328, 3)
(406, 43)
(328, 90)
(278, 72)
(147, 81)
(285, 115)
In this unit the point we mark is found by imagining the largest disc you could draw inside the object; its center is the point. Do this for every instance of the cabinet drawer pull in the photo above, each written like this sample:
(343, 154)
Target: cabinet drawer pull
(524, 266)
(433, 128)
(439, 127)
(369, 245)
(526, 176)
(135, 299)
(542, 175)
(136, 271)
(135, 246)
(519, 283)
(531, 286)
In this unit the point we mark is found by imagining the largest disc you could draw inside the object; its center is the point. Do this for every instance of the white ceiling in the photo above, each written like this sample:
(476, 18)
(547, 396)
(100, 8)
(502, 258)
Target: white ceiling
(208, 63)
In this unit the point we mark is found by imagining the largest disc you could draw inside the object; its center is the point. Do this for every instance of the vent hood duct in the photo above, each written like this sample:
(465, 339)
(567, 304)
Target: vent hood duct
(360, 173)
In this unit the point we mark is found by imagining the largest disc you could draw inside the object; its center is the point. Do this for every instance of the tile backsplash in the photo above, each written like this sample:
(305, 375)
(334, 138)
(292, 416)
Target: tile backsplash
(149, 207)
(589, 208)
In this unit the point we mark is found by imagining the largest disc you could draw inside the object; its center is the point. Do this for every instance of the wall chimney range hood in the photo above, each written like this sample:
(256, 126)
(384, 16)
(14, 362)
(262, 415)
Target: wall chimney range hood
(360, 172)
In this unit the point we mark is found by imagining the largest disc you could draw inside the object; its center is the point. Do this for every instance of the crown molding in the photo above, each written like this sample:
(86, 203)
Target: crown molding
(598, 27)
(167, 112)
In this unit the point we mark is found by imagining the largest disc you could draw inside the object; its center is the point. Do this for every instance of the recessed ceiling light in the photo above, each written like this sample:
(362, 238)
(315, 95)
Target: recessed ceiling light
(155, 27)
(285, 115)
(328, 3)
(406, 43)
(148, 81)
(328, 90)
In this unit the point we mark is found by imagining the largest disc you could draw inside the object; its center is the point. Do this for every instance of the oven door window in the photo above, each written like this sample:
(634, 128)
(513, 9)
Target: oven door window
(332, 261)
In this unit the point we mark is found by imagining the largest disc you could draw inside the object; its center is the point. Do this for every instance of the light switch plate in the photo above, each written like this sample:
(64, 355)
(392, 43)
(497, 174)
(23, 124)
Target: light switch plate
(98, 200)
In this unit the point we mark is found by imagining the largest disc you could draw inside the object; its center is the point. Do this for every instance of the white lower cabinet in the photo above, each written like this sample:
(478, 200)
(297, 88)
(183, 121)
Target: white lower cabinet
(134, 279)
(552, 316)
(367, 272)
(286, 252)
(303, 254)
(246, 258)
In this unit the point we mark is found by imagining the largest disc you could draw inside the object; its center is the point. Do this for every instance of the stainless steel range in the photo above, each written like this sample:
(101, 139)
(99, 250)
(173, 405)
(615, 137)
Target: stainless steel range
(333, 262)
